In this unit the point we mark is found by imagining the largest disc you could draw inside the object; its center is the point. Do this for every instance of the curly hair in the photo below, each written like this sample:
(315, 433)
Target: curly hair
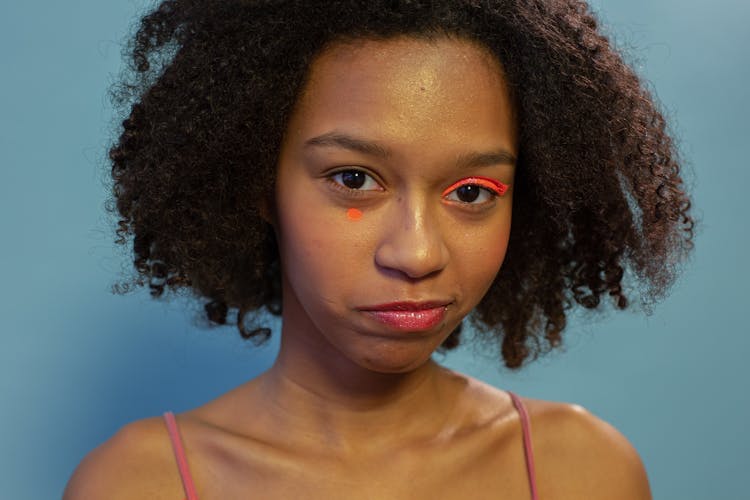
(209, 88)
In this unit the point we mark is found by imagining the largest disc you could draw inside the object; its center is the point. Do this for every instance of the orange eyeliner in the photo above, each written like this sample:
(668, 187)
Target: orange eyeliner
(496, 187)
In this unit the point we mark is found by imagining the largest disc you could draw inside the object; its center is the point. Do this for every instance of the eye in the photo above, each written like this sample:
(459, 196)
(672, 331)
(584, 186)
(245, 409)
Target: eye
(354, 180)
(475, 190)
(469, 193)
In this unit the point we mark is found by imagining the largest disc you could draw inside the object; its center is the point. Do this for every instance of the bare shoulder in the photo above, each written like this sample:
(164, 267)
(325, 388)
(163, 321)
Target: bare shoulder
(579, 455)
(137, 462)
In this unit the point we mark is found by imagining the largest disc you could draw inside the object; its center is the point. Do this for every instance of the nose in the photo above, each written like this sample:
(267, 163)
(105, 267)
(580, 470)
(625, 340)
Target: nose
(412, 242)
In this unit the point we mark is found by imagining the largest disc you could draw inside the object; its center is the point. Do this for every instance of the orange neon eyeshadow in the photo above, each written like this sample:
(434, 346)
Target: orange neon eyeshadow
(496, 187)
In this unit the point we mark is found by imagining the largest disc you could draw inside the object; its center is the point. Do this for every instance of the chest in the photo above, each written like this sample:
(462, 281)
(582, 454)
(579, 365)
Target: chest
(488, 467)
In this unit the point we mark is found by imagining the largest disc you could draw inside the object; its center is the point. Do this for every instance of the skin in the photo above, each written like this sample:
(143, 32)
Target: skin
(351, 408)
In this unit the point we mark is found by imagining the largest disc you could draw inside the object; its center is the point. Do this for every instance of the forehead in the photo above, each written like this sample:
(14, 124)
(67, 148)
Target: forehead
(402, 87)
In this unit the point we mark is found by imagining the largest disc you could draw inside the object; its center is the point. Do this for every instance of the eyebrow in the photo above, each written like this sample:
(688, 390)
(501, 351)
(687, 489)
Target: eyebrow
(473, 160)
(371, 148)
(339, 140)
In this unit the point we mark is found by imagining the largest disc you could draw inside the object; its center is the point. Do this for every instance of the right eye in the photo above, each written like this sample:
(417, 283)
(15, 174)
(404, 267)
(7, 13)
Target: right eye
(353, 181)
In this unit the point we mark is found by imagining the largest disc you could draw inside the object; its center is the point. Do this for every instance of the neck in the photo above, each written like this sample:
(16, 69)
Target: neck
(349, 409)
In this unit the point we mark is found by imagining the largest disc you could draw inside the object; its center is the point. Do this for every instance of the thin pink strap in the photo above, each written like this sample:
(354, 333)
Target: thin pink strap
(526, 428)
(179, 453)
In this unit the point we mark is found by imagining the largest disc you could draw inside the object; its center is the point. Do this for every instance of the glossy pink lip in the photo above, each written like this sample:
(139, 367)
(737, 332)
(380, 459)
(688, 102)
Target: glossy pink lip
(408, 316)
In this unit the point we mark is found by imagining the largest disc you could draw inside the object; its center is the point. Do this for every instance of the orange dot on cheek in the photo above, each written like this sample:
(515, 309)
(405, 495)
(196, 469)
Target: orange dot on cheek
(354, 214)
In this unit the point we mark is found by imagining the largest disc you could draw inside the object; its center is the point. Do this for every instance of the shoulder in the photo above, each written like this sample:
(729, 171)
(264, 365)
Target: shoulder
(579, 455)
(137, 462)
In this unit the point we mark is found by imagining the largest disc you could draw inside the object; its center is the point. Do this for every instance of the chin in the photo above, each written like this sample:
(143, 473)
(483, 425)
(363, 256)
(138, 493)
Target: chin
(394, 360)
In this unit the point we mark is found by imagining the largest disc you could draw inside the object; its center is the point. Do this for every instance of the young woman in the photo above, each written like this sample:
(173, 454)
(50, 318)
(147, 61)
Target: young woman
(355, 167)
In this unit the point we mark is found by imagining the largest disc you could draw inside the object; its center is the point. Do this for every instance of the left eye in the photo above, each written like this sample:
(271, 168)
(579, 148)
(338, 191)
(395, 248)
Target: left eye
(355, 180)
(471, 193)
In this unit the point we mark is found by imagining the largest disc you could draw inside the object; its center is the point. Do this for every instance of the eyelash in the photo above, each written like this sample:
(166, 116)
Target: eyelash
(347, 190)
(467, 182)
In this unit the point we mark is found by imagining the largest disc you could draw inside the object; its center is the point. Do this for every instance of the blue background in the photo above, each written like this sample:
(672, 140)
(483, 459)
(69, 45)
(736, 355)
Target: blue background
(77, 362)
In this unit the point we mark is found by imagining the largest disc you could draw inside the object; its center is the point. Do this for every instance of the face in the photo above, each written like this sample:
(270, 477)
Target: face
(393, 198)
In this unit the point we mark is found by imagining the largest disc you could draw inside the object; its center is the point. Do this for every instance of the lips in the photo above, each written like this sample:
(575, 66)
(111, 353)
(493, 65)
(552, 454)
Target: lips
(408, 316)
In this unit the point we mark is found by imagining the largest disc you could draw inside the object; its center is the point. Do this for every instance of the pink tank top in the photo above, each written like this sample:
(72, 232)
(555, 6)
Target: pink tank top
(189, 486)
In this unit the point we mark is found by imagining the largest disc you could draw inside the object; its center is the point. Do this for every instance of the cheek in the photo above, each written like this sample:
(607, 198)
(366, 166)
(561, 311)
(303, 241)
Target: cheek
(481, 256)
(321, 246)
